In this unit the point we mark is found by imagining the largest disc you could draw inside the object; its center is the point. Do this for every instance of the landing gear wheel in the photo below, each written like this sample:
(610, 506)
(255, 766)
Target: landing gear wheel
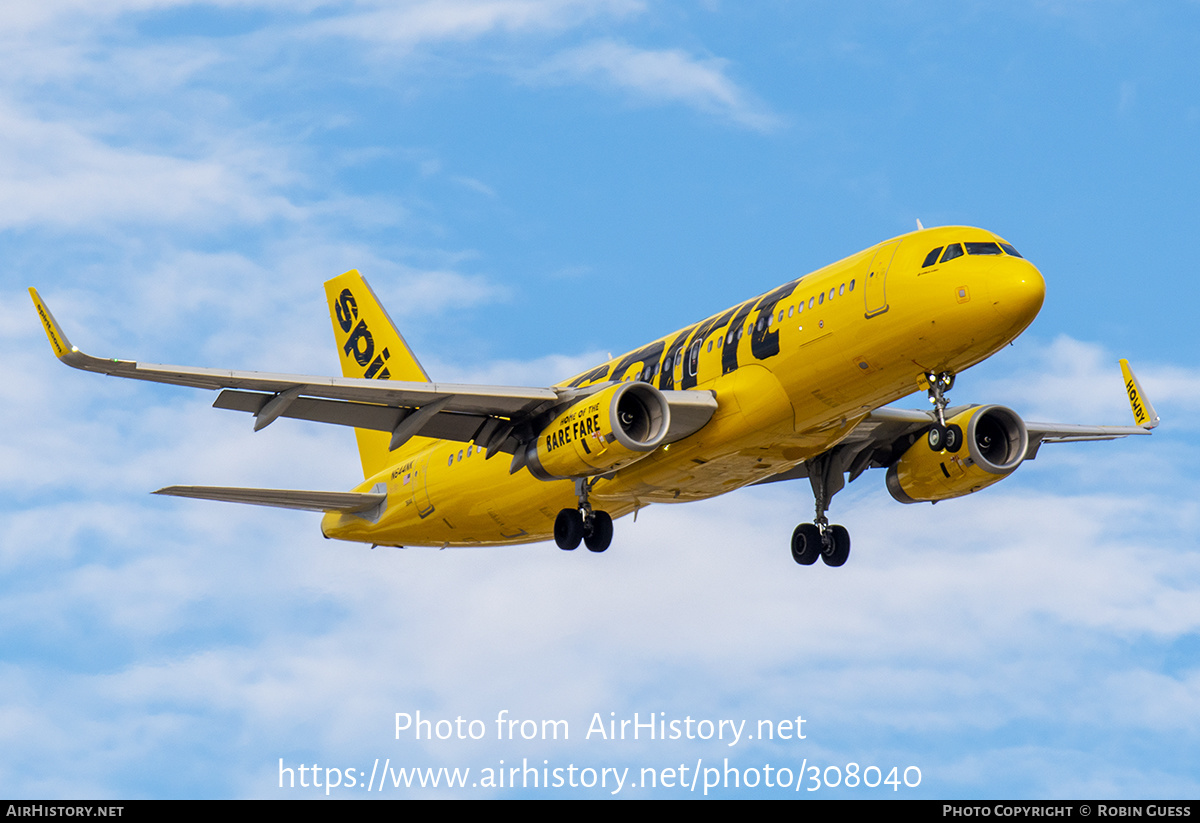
(838, 550)
(568, 529)
(806, 544)
(937, 437)
(600, 536)
(954, 438)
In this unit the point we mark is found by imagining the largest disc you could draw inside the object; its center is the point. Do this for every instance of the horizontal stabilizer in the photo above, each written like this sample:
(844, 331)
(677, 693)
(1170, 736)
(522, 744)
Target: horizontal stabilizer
(344, 502)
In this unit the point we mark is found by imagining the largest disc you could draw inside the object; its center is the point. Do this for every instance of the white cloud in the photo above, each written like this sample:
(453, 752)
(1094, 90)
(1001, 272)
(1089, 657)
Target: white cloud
(544, 371)
(408, 24)
(177, 647)
(1072, 381)
(662, 76)
(695, 610)
(54, 174)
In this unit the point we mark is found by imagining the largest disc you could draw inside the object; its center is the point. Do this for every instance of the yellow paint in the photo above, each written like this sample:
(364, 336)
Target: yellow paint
(584, 438)
(925, 475)
(1143, 412)
(878, 308)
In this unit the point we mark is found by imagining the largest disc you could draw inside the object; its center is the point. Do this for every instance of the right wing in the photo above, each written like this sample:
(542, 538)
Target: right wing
(499, 418)
(486, 414)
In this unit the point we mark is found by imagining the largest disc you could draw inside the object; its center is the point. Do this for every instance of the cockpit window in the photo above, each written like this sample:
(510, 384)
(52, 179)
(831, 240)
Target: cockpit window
(1008, 248)
(952, 251)
(983, 248)
(931, 258)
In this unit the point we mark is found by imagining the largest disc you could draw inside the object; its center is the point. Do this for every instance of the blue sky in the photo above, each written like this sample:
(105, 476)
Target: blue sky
(528, 185)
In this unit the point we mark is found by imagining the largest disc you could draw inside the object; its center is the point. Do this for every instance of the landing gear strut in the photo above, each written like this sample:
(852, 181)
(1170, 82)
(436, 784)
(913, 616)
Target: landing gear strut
(941, 436)
(820, 539)
(593, 528)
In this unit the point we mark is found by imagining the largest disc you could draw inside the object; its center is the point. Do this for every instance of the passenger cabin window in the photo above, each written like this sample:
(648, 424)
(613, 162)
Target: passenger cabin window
(932, 257)
(983, 248)
(952, 251)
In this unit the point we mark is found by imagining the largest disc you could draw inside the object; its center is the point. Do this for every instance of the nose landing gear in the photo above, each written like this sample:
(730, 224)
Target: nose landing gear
(941, 436)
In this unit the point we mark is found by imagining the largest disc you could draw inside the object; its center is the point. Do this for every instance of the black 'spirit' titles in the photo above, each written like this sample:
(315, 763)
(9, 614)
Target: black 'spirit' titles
(360, 343)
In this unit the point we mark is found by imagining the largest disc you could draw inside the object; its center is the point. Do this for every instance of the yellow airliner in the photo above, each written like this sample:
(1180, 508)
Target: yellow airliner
(790, 384)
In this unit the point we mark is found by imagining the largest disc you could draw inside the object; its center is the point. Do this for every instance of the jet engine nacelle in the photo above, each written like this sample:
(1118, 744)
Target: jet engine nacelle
(601, 433)
(994, 444)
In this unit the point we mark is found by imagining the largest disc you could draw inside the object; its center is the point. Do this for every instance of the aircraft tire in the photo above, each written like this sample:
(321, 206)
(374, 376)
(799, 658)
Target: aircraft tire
(937, 437)
(954, 438)
(568, 529)
(602, 532)
(806, 544)
(839, 551)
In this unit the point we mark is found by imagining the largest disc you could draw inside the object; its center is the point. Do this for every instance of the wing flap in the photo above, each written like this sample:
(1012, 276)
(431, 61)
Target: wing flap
(690, 411)
(1067, 433)
(443, 425)
(337, 412)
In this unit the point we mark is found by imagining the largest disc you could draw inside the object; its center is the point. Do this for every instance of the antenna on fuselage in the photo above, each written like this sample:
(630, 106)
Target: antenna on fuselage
(919, 226)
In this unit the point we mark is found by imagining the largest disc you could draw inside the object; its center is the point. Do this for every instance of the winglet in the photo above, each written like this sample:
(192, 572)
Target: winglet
(1143, 413)
(58, 341)
(71, 355)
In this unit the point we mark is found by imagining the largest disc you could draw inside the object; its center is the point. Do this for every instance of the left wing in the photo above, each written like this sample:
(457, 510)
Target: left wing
(496, 417)
(885, 434)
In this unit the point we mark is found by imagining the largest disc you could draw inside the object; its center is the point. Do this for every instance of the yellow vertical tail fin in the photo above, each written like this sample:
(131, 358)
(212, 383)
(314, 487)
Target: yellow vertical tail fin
(369, 346)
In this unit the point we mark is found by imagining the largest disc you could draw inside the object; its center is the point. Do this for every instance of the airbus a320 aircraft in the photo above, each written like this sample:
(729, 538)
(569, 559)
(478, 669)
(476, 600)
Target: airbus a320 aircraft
(790, 384)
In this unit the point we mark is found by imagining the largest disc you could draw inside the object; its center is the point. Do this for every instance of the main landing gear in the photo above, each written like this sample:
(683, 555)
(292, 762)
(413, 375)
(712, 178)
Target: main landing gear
(593, 528)
(940, 435)
(810, 541)
(831, 543)
(826, 473)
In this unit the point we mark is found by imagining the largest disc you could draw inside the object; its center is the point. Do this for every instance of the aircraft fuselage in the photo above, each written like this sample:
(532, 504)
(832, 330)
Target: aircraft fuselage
(793, 371)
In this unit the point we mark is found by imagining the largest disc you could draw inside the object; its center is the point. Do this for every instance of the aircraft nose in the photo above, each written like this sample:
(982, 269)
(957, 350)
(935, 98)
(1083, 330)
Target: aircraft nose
(1018, 292)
